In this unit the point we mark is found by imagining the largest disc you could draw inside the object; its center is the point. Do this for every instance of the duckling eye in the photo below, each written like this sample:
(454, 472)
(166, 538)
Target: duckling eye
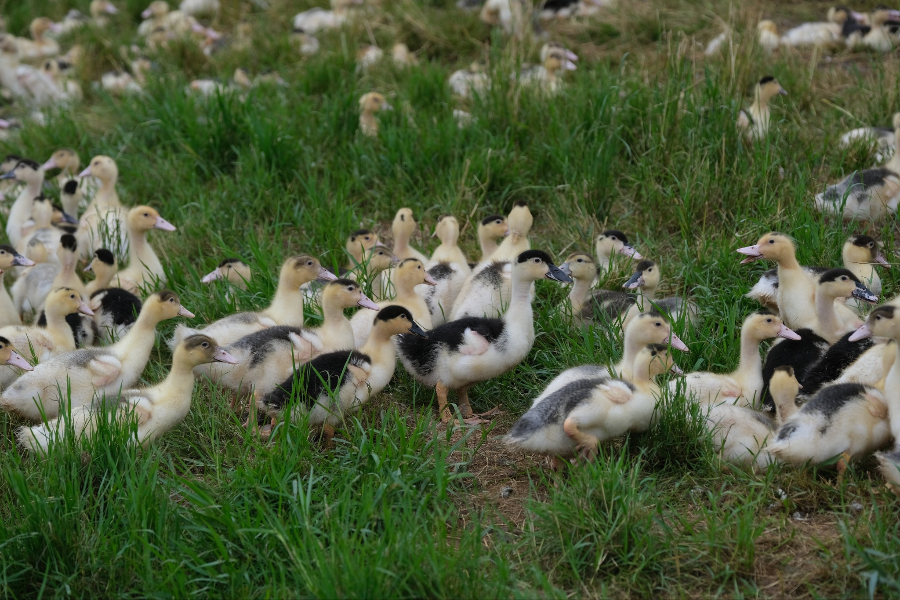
(613, 238)
(146, 214)
(768, 320)
(658, 324)
(205, 344)
(309, 263)
(171, 300)
(537, 261)
(498, 221)
(72, 296)
(96, 163)
(771, 241)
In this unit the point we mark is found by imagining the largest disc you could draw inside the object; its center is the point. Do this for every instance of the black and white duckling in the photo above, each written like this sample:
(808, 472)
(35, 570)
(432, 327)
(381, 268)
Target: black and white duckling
(754, 122)
(337, 383)
(315, 20)
(545, 78)
(369, 104)
(577, 417)
(447, 231)
(587, 305)
(881, 139)
(491, 229)
(403, 228)
(743, 386)
(474, 81)
(29, 173)
(646, 280)
(463, 352)
(612, 243)
(30, 291)
(286, 307)
(9, 258)
(156, 409)
(407, 276)
(879, 36)
(88, 372)
(867, 195)
(440, 297)
(817, 34)
(115, 309)
(232, 270)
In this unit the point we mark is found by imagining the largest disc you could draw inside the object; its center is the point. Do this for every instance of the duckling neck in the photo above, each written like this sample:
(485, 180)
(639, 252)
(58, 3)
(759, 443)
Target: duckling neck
(101, 281)
(70, 204)
(60, 331)
(519, 314)
(24, 204)
(379, 348)
(488, 245)
(406, 291)
(828, 321)
(137, 343)
(578, 295)
(287, 306)
(892, 394)
(865, 272)
(401, 242)
(368, 122)
(749, 370)
(178, 386)
(142, 255)
(648, 292)
(8, 312)
(107, 195)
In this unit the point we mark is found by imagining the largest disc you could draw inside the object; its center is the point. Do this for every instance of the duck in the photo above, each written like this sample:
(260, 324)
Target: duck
(59, 73)
(829, 322)
(358, 243)
(31, 175)
(473, 81)
(115, 309)
(439, 297)
(286, 307)
(743, 386)
(867, 195)
(585, 305)
(447, 231)
(233, 270)
(880, 138)
(39, 46)
(409, 274)
(104, 223)
(11, 70)
(43, 230)
(200, 8)
(336, 383)
(577, 417)
(463, 352)
(610, 243)
(490, 229)
(369, 104)
(144, 267)
(156, 409)
(30, 291)
(545, 78)
(315, 20)
(816, 34)
(9, 258)
(402, 57)
(90, 372)
(767, 35)
(740, 434)
(519, 221)
(754, 122)
(373, 271)
(403, 228)
(879, 36)
(76, 188)
(646, 280)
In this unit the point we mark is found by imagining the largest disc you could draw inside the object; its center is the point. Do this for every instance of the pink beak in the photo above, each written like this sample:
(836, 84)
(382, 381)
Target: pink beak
(163, 224)
(507, 232)
(326, 274)
(223, 356)
(380, 244)
(183, 312)
(85, 173)
(365, 302)
(676, 343)
(861, 333)
(4, 124)
(881, 260)
(56, 28)
(429, 280)
(677, 370)
(571, 55)
(787, 333)
(15, 360)
(85, 309)
(50, 164)
(569, 65)
(197, 27)
(111, 9)
(752, 252)
(629, 251)
(212, 33)
(210, 277)
(146, 13)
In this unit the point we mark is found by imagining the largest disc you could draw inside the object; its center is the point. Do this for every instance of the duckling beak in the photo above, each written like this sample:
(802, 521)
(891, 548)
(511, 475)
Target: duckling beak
(67, 218)
(210, 277)
(89, 268)
(788, 334)
(386, 106)
(566, 268)
(861, 292)
(557, 274)
(21, 261)
(365, 302)
(15, 360)
(571, 55)
(676, 343)
(862, 333)
(146, 13)
(568, 65)
(112, 9)
(380, 243)
(85, 173)
(326, 274)
(508, 232)
(56, 28)
(677, 370)
(197, 27)
(163, 224)
(782, 91)
(881, 260)
(183, 312)
(50, 164)
(636, 281)
(222, 356)
(4, 124)
(10, 175)
(85, 309)
(417, 330)
(752, 252)
(212, 34)
(430, 280)
(857, 16)
(630, 251)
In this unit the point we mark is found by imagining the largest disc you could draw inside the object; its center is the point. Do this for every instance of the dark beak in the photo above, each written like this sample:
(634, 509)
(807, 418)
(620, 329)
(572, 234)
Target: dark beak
(414, 328)
(557, 274)
(865, 294)
(634, 281)
(10, 175)
(67, 218)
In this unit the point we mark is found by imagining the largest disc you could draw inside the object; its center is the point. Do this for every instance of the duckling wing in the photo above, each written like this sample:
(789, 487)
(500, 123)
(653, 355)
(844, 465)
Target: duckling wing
(104, 369)
(134, 401)
(474, 343)
(744, 120)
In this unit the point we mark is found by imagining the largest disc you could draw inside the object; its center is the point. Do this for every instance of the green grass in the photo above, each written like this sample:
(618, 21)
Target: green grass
(643, 140)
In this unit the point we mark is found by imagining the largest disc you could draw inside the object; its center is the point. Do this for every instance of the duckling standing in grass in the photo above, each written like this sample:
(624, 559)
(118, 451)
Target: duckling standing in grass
(592, 306)
(755, 121)
(575, 418)
(491, 229)
(369, 104)
(31, 174)
(157, 409)
(447, 231)
(520, 221)
(463, 352)
(611, 243)
(474, 81)
(233, 270)
(545, 78)
(104, 223)
(358, 243)
(9, 258)
(144, 267)
(30, 291)
(403, 228)
(39, 46)
(646, 280)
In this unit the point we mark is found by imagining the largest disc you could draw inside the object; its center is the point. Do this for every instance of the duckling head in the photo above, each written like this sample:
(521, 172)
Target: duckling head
(768, 26)
(646, 276)
(100, 8)
(841, 283)
(200, 350)
(65, 159)
(655, 359)
(65, 301)
(233, 270)
(580, 266)
(346, 293)
(25, 171)
(50, 68)
(612, 242)
(413, 271)
(156, 10)
(882, 15)
(103, 168)
(556, 60)
(764, 325)
(493, 227)
(397, 320)
(360, 241)
(520, 219)
(36, 252)
(447, 230)
(653, 328)
(68, 249)
(768, 88)
(884, 321)
(8, 45)
(165, 305)
(784, 386)
(838, 14)
(549, 47)
(404, 224)
(532, 265)
(42, 25)
(373, 102)
(242, 78)
(9, 257)
(302, 269)
(42, 212)
(772, 246)
(378, 259)
(9, 356)
(103, 262)
(145, 218)
(863, 249)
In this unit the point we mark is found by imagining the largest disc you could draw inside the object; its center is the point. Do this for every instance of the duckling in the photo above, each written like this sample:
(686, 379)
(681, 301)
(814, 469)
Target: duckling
(439, 297)
(374, 271)
(104, 223)
(155, 15)
(286, 307)
(144, 266)
(829, 322)
(233, 270)
(368, 56)
(585, 305)
(39, 46)
(83, 374)
(755, 121)
(308, 44)
(100, 9)
(881, 138)
(409, 274)
(30, 291)
(879, 37)
(115, 309)
(867, 195)
(491, 229)
(402, 57)
(784, 388)
(744, 386)
(9, 356)
(519, 221)
(315, 20)
(474, 81)
(577, 417)
(369, 104)
(801, 355)
(336, 383)
(646, 280)
(200, 8)
(43, 230)
(10, 69)
(9, 314)
(9, 187)
(544, 78)
(608, 244)
(403, 228)
(68, 89)
(816, 34)
(358, 243)
(69, 164)
(32, 175)
(157, 409)
(447, 231)
(463, 352)
(512, 15)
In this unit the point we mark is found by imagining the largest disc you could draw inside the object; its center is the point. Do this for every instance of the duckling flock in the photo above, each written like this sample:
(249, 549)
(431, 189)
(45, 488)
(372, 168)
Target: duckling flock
(829, 387)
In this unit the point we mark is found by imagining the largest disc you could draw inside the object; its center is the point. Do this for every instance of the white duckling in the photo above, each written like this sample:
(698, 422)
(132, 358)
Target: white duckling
(743, 386)
(474, 81)
(115, 309)
(104, 223)
(39, 46)
(612, 243)
(157, 409)
(315, 20)
(30, 291)
(368, 56)
(577, 417)
(337, 383)
(232, 270)
(881, 139)
(460, 353)
(409, 274)
(9, 258)
(369, 104)
(447, 231)
(817, 34)
(491, 229)
(59, 73)
(879, 36)
(286, 307)
(83, 374)
(403, 228)
(31, 174)
(740, 434)
(867, 195)
(545, 78)
(144, 267)
(755, 121)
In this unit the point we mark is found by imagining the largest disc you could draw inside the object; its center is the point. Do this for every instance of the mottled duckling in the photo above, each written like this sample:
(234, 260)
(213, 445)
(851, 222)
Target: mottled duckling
(754, 122)
(115, 309)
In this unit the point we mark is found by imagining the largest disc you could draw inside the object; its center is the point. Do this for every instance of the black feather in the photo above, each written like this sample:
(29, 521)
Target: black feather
(422, 352)
(800, 354)
(322, 376)
(121, 305)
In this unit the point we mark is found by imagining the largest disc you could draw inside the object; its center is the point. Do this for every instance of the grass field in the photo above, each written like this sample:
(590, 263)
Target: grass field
(643, 139)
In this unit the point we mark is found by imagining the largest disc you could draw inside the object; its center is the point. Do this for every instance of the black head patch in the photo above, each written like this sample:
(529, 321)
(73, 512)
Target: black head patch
(4, 341)
(196, 341)
(765, 312)
(26, 162)
(70, 187)
(529, 254)
(343, 282)
(13, 158)
(105, 256)
(392, 312)
(68, 242)
(490, 218)
(8, 248)
(166, 295)
(519, 203)
(766, 79)
(360, 232)
(885, 311)
(406, 260)
(863, 241)
(789, 370)
(835, 274)
(644, 265)
(402, 217)
(616, 234)
(230, 261)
